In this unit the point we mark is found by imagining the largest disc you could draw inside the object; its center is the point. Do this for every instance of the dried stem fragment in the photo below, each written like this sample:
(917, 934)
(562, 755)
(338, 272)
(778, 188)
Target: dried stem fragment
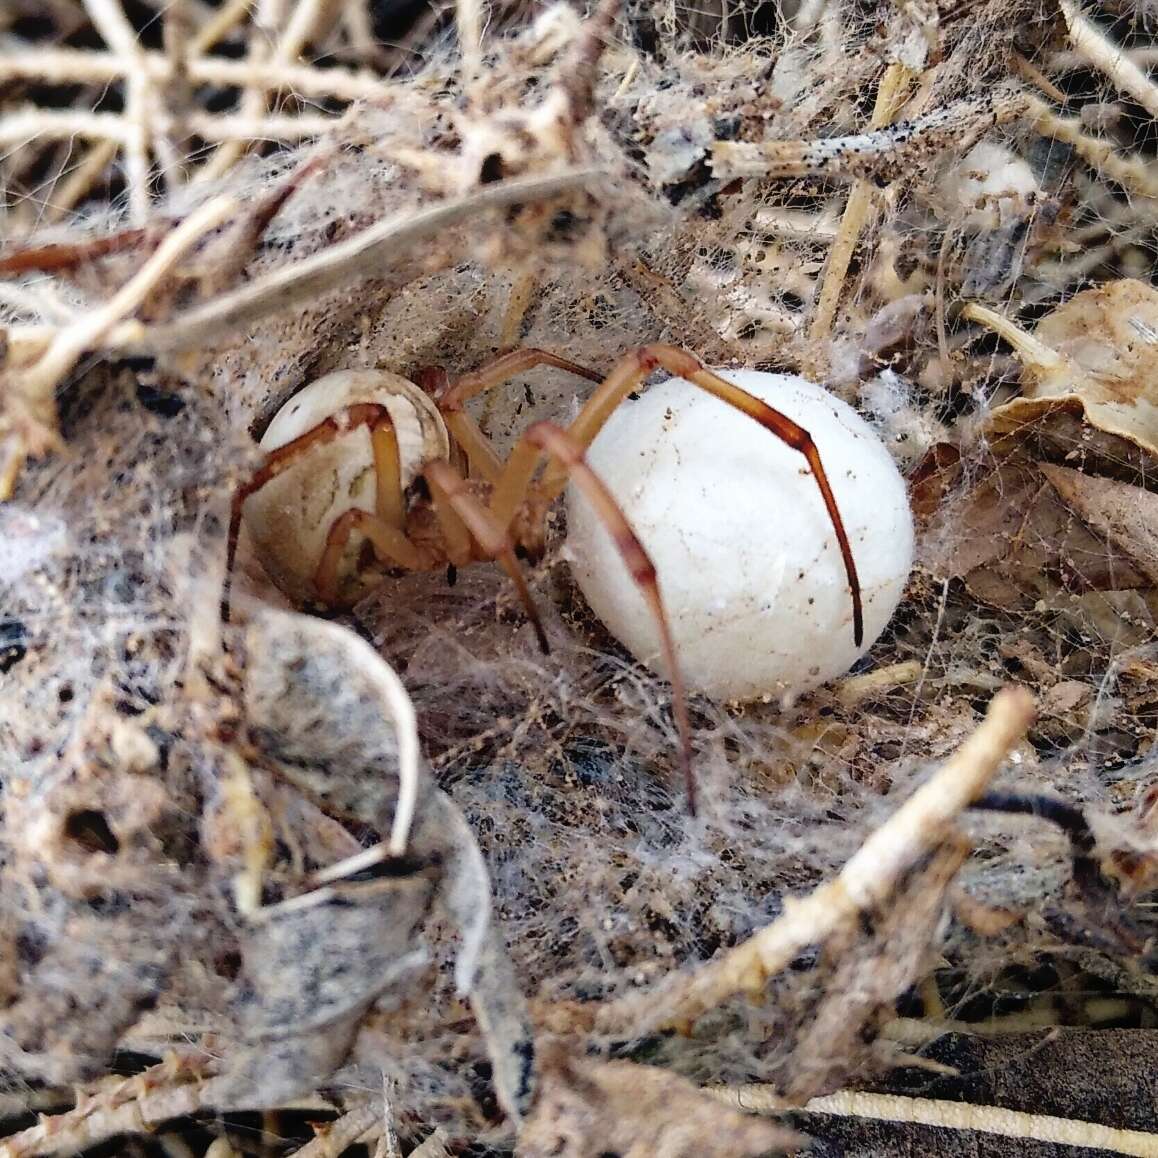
(954, 1116)
(113, 25)
(370, 252)
(1109, 58)
(336, 1137)
(29, 417)
(882, 153)
(123, 1106)
(889, 97)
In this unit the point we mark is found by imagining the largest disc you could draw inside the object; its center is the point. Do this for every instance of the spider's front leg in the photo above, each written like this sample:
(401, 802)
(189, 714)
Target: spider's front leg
(452, 398)
(515, 487)
(630, 373)
(383, 528)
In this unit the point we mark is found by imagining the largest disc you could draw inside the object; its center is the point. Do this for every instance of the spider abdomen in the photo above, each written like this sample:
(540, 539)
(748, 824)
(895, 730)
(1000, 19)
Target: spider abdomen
(289, 519)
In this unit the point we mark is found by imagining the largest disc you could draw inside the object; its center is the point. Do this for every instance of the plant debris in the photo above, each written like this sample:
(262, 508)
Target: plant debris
(397, 880)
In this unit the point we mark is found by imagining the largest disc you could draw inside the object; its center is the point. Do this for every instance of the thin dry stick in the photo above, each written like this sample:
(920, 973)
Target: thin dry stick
(40, 379)
(388, 1146)
(893, 85)
(111, 22)
(1109, 58)
(358, 1125)
(254, 97)
(29, 404)
(953, 1116)
(94, 1121)
(306, 16)
(920, 1031)
(33, 124)
(1030, 72)
(868, 879)
(175, 1088)
(436, 1146)
(76, 185)
(1031, 350)
(468, 20)
(880, 152)
(261, 128)
(228, 16)
(301, 79)
(1143, 55)
(75, 66)
(1131, 173)
(64, 124)
(373, 251)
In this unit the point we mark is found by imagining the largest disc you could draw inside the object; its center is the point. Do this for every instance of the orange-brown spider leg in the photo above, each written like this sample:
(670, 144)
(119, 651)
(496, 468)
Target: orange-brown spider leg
(449, 490)
(626, 377)
(390, 545)
(389, 502)
(568, 452)
(452, 397)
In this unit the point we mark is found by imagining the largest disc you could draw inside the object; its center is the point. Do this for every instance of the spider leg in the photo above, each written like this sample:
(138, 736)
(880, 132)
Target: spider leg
(475, 445)
(627, 375)
(568, 453)
(502, 369)
(448, 491)
(389, 500)
(390, 545)
(452, 397)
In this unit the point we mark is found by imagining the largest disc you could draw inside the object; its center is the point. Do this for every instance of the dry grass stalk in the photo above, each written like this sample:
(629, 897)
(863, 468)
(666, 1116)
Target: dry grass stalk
(361, 1125)
(1109, 58)
(1131, 172)
(953, 1116)
(173, 1089)
(884, 151)
(109, 18)
(890, 96)
(368, 253)
(75, 66)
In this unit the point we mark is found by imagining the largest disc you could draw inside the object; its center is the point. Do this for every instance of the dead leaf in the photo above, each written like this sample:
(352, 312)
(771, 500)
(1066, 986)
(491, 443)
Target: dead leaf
(1066, 697)
(1125, 619)
(322, 714)
(1015, 542)
(933, 479)
(1126, 515)
(1094, 354)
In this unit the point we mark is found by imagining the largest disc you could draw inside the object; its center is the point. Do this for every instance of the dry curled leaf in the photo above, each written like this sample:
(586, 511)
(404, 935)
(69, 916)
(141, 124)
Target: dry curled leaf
(331, 719)
(1093, 356)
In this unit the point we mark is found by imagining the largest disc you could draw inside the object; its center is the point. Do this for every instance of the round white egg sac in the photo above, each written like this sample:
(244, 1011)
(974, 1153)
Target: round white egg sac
(749, 566)
(290, 517)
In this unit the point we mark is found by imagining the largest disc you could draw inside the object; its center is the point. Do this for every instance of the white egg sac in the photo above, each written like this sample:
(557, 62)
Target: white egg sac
(749, 566)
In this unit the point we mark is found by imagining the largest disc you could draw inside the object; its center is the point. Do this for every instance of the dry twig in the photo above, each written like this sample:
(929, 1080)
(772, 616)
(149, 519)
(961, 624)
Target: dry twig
(29, 411)
(953, 1116)
(1109, 58)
